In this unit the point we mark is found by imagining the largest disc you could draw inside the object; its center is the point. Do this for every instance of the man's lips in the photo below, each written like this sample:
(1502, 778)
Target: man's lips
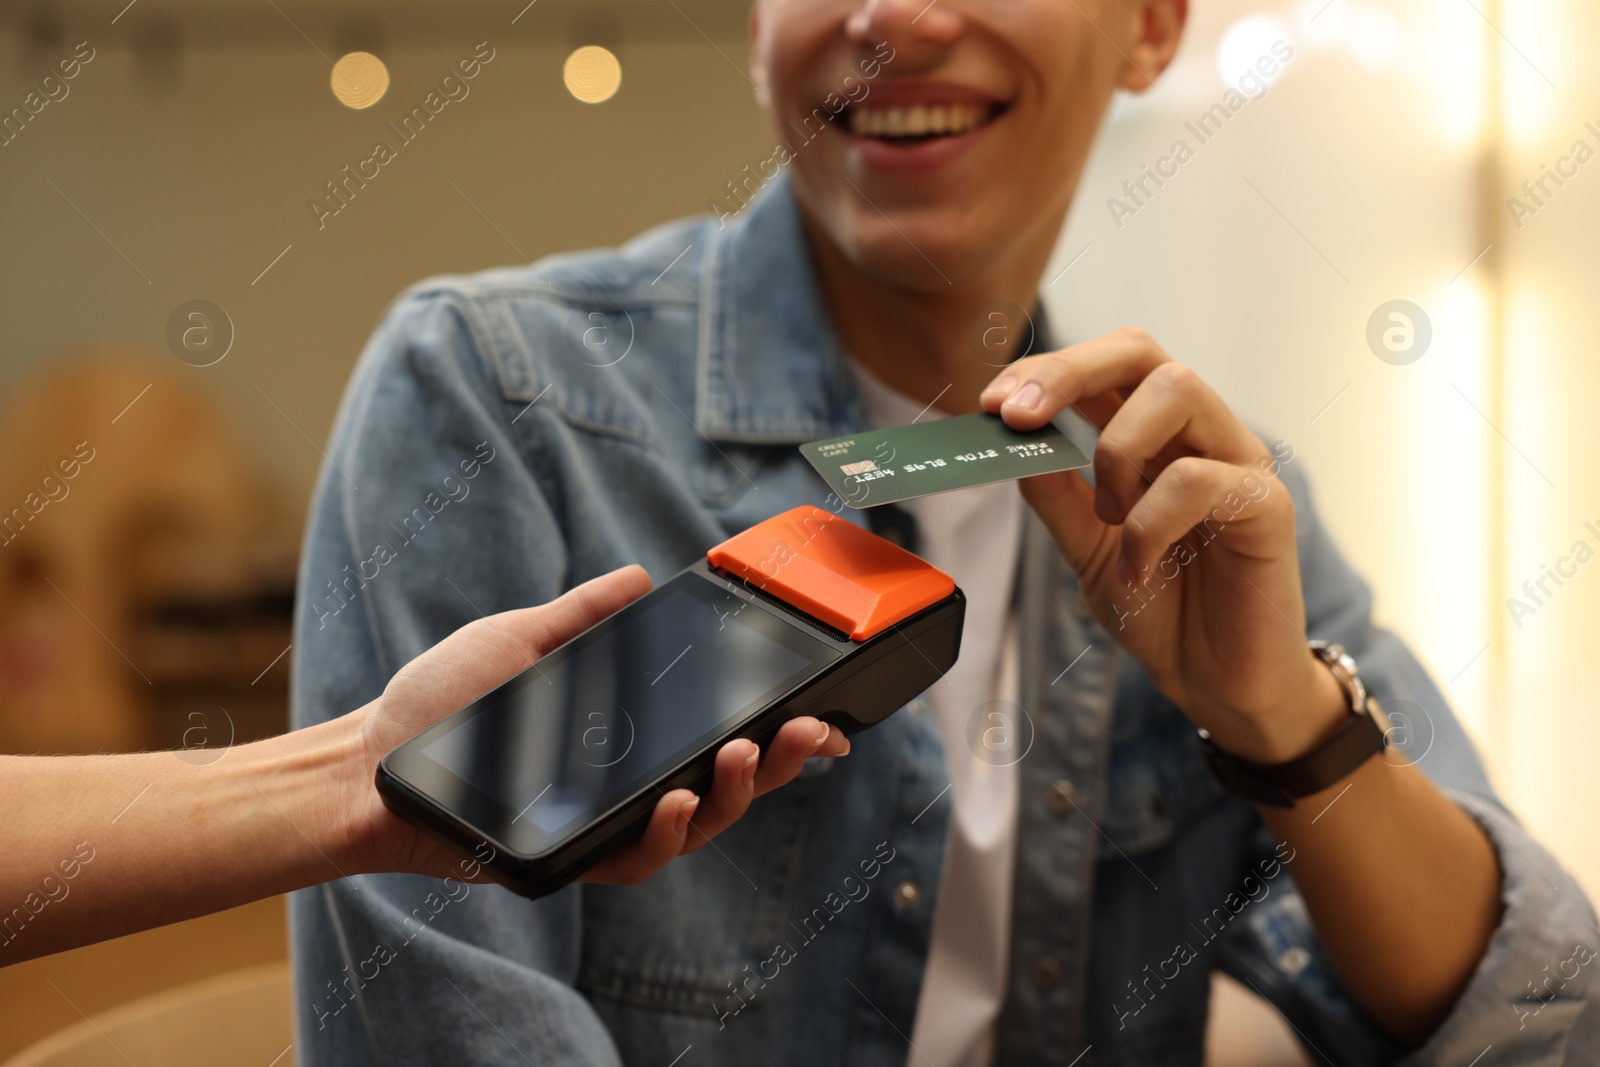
(918, 139)
(922, 119)
(914, 109)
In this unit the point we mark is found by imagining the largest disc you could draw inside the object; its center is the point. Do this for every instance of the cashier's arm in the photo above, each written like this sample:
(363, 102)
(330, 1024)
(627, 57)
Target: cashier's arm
(100, 846)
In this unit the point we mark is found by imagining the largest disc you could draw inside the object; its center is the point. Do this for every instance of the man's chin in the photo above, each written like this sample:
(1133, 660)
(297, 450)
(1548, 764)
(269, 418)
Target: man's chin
(926, 248)
(914, 259)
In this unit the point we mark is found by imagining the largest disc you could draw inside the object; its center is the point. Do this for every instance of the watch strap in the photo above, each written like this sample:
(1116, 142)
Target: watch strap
(1279, 785)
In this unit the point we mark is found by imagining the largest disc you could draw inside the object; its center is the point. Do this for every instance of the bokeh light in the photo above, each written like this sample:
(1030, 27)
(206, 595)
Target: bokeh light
(1245, 42)
(592, 74)
(359, 80)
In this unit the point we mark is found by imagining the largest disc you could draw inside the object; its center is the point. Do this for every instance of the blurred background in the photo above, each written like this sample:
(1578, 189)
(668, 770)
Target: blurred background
(1352, 256)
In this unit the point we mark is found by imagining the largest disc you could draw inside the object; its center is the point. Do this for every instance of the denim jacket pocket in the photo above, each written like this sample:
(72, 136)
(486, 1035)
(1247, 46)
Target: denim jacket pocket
(674, 943)
(727, 471)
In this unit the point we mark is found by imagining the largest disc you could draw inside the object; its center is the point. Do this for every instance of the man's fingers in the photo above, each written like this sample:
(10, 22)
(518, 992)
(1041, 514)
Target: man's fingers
(1035, 389)
(1208, 497)
(732, 789)
(797, 740)
(1065, 503)
(1172, 413)
(661, 843)
(1099, 410)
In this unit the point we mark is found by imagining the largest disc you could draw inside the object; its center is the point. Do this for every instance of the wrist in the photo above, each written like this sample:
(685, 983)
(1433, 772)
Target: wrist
(316, 781)
(1317, 710)
(1322, 714)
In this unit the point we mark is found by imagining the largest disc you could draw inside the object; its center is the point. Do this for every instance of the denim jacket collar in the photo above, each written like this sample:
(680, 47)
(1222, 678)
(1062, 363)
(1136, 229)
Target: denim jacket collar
(769, 368)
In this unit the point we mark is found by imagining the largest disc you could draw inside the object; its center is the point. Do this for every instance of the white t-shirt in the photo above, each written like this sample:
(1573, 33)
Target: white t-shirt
(973, 535)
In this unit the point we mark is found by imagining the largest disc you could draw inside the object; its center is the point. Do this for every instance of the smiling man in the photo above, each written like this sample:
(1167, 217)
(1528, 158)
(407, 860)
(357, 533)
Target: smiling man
(1140, 770)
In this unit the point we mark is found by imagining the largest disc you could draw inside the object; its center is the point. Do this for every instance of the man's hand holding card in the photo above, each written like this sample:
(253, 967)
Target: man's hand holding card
(1184, 545)
(1203, 591)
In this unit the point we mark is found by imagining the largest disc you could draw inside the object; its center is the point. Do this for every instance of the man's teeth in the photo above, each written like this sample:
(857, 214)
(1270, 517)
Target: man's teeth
(917, 120)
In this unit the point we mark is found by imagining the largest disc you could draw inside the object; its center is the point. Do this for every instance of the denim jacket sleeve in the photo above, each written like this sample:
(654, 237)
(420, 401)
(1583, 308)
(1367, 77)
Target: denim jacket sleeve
(1529, 988)
(424, 470)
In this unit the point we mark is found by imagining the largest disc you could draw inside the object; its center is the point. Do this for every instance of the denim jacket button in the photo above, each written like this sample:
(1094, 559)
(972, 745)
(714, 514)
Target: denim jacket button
(1047, 973)
(1061, 796)
(906, 895)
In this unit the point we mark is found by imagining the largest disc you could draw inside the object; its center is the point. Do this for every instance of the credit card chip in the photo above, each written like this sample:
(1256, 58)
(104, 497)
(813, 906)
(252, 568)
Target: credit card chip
(861, 467)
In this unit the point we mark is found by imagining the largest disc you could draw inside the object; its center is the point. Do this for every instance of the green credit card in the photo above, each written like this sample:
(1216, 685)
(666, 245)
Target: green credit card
(903, 462)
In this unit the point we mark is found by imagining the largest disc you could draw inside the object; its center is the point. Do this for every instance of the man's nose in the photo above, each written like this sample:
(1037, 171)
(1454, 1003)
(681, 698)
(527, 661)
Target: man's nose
(907, 24)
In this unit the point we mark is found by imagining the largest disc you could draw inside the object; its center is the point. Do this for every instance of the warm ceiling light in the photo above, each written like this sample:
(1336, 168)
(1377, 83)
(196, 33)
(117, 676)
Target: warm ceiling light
(592, 74)
(359, 80)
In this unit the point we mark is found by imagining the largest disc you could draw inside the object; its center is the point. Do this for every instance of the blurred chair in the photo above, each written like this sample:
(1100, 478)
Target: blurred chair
(146, 578)
(239, 1018)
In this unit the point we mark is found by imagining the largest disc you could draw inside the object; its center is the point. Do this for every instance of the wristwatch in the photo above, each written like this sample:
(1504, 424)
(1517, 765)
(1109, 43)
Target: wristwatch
(1279, 785)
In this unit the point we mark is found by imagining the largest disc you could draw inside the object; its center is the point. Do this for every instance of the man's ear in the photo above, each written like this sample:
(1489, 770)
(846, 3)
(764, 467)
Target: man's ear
(758, 68)
(1155, 29)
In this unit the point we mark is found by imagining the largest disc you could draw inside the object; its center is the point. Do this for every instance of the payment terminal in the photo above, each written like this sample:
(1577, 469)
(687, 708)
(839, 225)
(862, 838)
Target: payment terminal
(562, 765)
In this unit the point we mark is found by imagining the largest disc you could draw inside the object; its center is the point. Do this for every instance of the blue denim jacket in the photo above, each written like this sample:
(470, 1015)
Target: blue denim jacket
(513, 433)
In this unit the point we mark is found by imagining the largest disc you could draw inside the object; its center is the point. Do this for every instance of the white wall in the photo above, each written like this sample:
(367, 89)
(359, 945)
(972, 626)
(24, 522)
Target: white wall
(1356, 180)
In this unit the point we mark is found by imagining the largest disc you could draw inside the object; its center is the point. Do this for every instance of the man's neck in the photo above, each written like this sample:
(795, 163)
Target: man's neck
(924, 344)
